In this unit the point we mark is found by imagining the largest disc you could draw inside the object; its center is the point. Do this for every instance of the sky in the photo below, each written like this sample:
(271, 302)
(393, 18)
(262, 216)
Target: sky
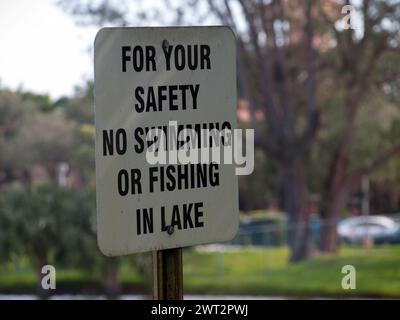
(42, 49)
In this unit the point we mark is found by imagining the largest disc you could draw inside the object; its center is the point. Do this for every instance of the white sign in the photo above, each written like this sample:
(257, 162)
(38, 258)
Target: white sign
(154, 88)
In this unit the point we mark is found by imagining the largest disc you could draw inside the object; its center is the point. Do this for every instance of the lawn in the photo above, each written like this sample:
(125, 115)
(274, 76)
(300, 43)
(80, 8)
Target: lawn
(249, 271)
(267, 272)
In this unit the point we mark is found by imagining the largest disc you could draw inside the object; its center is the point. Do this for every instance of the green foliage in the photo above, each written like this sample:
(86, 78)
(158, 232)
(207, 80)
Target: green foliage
(43, 101)
(46, 139)
(29, 136)
(83, 153)
(261, 187)
(47, 223)
(14, 113)
(80, 108)
(377, 129)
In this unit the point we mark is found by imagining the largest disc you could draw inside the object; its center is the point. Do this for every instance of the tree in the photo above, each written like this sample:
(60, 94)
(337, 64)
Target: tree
(14, 111)
(32, 134)
(42, 222)
(79, 109)
(47, 139)
(289, 54)
(361, 75)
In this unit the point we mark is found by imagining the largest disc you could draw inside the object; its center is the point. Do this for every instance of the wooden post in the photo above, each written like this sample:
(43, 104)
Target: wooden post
(167, 274)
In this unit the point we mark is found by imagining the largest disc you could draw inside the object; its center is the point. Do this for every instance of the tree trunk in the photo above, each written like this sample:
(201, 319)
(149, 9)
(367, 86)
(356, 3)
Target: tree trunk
(295, 203)
(335, 204)
(329, 241)
(112, 286)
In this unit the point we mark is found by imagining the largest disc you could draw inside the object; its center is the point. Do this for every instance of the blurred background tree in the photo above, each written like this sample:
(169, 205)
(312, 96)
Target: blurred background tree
(49, 215)
(47, 224)
(305, 80)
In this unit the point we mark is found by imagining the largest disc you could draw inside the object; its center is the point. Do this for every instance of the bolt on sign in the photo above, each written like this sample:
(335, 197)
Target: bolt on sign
(160, 95)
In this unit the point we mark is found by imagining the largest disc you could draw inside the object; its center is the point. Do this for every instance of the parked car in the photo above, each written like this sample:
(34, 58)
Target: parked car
(380, 229)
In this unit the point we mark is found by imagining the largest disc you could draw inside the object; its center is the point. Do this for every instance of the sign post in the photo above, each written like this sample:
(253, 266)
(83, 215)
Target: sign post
(165, 109)
(167, 274)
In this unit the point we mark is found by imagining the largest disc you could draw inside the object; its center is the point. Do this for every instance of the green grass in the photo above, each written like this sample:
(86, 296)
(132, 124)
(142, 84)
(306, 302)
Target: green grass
(267, 272)
(67, 280)
(249, 271)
